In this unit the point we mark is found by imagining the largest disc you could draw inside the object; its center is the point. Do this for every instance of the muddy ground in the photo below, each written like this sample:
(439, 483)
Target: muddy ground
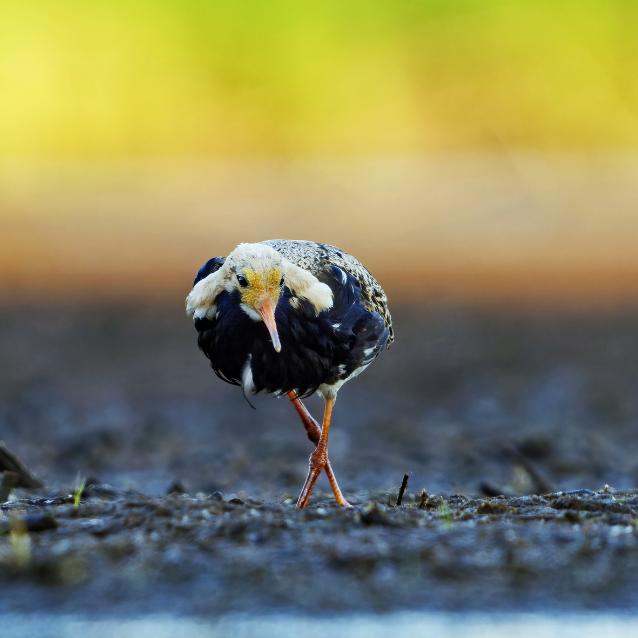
(518, 431)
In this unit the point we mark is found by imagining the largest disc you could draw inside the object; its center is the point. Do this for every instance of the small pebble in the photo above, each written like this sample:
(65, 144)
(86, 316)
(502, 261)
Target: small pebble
(176, 487)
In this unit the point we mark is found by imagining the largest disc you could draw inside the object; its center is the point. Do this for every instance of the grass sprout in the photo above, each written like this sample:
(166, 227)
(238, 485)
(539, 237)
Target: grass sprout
(445, 513)
(20, 543)
(78, 490)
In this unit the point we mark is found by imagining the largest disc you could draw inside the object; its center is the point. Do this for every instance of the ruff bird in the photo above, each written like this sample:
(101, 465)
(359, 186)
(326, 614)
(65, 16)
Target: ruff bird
(291, 318)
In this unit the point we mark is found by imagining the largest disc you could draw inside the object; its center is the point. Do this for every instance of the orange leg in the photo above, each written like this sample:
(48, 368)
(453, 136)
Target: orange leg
(314, 434)
(312, 427)
(318, 459)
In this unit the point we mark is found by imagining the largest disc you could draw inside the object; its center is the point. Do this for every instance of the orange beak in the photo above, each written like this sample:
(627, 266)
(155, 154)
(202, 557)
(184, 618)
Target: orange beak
(267, 313)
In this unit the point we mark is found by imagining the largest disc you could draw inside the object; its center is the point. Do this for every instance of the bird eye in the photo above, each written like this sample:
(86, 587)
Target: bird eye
(243, 282)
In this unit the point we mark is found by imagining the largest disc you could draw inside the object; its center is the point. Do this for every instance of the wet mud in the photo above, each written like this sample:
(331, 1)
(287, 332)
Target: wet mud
(163, 491)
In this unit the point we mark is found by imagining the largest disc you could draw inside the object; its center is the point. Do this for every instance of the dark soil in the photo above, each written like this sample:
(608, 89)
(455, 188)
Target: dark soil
(469, 403)
(205, 554)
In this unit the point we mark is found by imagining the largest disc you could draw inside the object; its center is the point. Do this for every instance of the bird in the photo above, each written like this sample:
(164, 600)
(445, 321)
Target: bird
(291, 318)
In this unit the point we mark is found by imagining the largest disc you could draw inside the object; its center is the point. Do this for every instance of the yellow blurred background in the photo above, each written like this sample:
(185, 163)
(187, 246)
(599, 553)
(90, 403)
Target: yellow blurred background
(477, 149)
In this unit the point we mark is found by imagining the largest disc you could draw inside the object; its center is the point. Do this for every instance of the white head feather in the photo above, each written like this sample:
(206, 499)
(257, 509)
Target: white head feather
(201, 301)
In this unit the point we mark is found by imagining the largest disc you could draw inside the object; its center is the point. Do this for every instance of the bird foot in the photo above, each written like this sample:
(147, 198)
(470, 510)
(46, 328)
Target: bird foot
(317, 463)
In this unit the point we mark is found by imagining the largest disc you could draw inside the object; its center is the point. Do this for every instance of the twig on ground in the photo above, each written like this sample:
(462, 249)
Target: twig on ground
(404, 485)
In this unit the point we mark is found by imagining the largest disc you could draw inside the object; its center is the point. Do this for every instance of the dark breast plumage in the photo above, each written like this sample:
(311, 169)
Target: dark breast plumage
(317, 350)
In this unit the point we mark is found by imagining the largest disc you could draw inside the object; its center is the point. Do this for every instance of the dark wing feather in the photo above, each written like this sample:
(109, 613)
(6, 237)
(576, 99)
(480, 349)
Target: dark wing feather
(313, 256)
(361, 333)
(211, 266)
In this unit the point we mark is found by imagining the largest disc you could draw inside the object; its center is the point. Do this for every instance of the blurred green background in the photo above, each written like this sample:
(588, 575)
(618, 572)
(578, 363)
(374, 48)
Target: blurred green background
(488, 141)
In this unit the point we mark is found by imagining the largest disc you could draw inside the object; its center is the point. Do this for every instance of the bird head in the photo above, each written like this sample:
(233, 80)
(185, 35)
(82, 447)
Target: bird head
(257, 272)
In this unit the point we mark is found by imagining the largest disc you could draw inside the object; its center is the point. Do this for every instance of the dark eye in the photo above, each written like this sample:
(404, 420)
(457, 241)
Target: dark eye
(243, 282)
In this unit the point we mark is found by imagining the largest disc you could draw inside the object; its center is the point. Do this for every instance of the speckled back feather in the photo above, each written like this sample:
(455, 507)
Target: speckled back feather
(313, 256)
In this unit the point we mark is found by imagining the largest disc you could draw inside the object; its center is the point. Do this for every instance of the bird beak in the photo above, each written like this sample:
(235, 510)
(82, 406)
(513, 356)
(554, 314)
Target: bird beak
(267, 313)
